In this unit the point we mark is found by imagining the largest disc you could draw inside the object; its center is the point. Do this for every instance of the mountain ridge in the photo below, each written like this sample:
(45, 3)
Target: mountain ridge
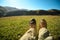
(11, 11)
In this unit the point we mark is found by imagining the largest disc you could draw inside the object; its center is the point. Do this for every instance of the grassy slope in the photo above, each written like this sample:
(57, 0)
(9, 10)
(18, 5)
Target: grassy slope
(12, 27)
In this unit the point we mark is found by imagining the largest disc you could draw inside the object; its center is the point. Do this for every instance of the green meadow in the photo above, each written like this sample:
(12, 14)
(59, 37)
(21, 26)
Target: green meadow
(12, 28)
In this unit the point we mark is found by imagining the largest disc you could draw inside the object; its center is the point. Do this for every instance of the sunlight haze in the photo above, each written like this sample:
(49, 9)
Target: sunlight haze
(32, 4)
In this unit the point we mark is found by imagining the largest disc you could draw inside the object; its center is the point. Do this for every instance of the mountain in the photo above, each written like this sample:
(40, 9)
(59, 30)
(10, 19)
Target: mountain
(10, 8)
(11, 11)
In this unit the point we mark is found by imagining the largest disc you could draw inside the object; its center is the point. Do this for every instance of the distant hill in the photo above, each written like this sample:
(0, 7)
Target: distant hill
(8, 8)
(11, 8)
(11, 11)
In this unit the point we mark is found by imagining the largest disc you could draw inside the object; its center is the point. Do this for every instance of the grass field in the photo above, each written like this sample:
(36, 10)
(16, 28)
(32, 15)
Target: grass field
(12, 28)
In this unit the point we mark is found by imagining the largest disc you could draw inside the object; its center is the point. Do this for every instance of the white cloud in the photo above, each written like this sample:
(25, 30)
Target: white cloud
(16, 3)
(12, 3)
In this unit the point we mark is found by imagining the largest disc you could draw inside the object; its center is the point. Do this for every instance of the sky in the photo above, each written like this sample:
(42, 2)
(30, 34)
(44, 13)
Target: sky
(32, 4)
